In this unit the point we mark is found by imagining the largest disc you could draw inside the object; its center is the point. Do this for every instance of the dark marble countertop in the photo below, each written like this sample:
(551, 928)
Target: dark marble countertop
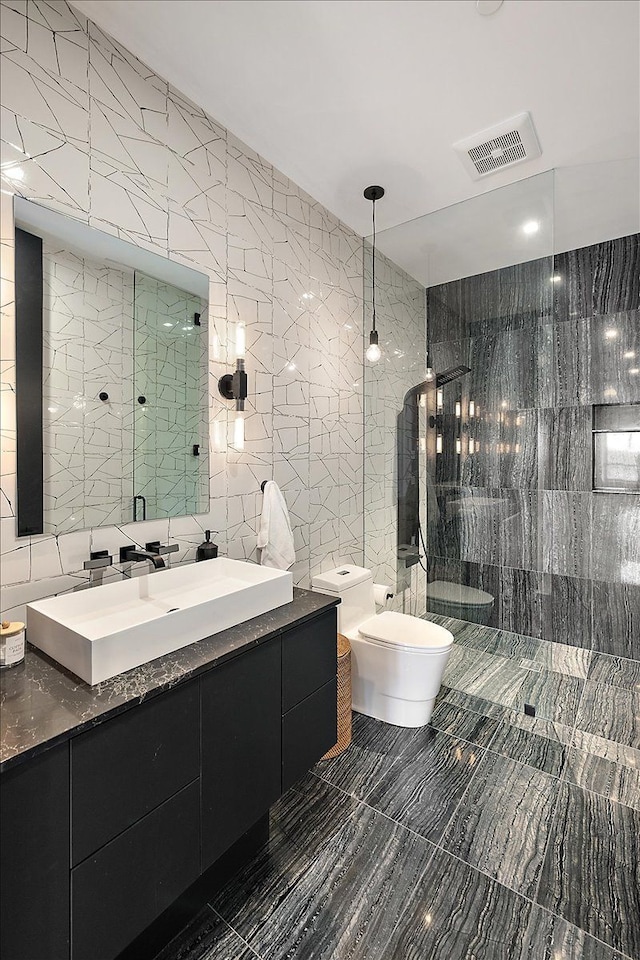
(42, 703)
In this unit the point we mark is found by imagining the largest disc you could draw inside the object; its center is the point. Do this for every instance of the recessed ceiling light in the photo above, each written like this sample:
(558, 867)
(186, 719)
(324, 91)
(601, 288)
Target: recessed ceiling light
(167, 324)
(634, 370)
(629, 355)
(611, 334)
(530, 227)
(556, 278)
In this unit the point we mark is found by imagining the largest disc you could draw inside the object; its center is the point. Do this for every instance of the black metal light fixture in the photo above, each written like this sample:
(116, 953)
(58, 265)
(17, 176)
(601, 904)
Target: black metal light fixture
(233, 386)
(373, 353)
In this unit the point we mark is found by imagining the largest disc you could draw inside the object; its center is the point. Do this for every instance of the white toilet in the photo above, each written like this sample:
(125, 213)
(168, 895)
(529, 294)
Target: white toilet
(397, 661)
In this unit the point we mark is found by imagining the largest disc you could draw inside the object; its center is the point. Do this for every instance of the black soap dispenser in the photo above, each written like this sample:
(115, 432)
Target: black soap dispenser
(207, 550)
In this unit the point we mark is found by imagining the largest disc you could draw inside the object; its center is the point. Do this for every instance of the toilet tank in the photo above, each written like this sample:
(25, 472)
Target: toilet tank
(354, 586)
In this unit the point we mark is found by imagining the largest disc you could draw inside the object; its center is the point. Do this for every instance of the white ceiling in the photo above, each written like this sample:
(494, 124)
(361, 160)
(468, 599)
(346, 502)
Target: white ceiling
(339, 94)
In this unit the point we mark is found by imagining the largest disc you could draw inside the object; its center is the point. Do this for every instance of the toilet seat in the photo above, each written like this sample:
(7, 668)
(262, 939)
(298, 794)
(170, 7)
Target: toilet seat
(406, 633)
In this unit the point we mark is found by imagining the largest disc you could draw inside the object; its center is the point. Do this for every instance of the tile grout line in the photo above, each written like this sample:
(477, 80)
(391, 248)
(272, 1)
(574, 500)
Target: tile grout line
(559, 781)
(238, 935)
(438, 846)
(566, 746)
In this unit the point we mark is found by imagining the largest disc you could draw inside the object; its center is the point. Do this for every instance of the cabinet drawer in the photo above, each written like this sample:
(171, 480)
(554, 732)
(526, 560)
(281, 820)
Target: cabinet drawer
(241, 758)
(34, 862)
(309, 658)
(131, 764)
(119, 891)
(308, 731)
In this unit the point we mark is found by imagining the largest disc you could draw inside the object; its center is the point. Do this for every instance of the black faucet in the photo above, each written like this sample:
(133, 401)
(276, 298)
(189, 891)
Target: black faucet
(132, 554)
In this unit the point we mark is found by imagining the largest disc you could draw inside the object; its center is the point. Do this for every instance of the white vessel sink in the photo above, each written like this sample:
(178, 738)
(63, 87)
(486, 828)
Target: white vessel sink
(101, 632)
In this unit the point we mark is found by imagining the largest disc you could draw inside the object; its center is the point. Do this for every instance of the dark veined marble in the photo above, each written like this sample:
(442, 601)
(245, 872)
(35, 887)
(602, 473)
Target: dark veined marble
(504, 370)
(456, 913)
(601, 279)
(530, 748)
(566, 547)
(207, 937)
(463, 724)
(518, 525)
(615, 549)
(564, 452)
(611, 336)
(616, 619)
(338, 896)
(616, 275)
(41, 703)
(617, 671)
(502, 822)
(422, 790)
(610, 712)
(569, 611)
(549, 937)
(524, 596)
(445, 320)
(591, 873)
(573, 292)
(610, 778)
(374, 749)
(556, 696)
(569, 370)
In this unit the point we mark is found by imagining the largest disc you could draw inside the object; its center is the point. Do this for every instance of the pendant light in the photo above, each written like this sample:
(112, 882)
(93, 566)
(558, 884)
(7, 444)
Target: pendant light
(373, 353)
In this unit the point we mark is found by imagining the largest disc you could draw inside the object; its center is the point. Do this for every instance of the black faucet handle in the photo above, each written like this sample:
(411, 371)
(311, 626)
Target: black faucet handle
(162, 549)
(98, 560)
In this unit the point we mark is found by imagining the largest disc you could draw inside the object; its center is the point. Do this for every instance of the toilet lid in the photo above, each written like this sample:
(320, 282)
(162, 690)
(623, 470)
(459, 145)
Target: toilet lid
(401, 630)
(457, 593)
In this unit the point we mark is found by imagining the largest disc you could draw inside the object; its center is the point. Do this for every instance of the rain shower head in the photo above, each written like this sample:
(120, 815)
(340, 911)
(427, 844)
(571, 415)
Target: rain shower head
(451, 374)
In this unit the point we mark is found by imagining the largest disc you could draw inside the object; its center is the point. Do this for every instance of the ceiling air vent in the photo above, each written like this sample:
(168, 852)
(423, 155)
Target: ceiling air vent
(501, 146)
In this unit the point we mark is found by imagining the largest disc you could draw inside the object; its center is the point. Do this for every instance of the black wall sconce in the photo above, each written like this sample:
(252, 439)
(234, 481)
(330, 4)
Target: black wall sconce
(233, 386)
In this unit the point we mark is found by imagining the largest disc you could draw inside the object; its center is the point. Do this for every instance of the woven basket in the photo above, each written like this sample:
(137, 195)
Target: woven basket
(344, 698)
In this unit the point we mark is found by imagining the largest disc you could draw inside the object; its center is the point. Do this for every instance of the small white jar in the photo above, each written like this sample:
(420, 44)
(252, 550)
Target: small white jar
(11, 643)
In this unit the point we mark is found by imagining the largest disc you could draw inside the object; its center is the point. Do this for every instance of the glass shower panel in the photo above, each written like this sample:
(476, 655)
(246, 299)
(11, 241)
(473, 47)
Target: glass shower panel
(170, 380)
(453, 508)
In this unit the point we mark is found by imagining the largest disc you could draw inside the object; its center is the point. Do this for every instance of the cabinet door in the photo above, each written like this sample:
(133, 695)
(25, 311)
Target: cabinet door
(241, 750)
(127, 766)
(309, 658)
(120, 890)
(34, 862)
(308, 731)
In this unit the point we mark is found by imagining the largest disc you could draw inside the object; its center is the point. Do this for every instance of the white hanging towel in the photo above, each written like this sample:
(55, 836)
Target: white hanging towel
(275, 537)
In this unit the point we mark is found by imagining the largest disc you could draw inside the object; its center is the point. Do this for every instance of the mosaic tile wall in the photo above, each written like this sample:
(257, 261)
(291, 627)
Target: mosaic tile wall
(94, 133)
(517, 516)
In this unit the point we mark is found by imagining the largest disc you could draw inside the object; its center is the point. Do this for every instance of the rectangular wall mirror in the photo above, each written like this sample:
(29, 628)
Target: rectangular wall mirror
(111, 378)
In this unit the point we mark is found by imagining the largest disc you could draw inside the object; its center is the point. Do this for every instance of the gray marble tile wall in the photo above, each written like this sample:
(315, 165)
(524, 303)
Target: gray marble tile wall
(516, 514)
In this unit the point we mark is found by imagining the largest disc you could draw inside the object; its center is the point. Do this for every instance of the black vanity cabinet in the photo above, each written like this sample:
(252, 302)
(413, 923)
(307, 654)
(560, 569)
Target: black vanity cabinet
(103, 833)
(240, 746)
(135, 814)
(34, 858)
(309, 695)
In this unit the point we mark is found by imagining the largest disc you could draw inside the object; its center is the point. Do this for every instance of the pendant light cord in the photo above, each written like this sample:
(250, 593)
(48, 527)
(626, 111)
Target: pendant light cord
(373, 265)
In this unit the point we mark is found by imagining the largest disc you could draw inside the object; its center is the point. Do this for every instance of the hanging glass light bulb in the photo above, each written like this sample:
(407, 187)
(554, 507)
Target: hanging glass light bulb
(374, 352)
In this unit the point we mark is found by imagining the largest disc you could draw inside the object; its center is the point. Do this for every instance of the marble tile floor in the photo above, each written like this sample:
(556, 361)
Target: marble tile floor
(572, 687)
(484, 836)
